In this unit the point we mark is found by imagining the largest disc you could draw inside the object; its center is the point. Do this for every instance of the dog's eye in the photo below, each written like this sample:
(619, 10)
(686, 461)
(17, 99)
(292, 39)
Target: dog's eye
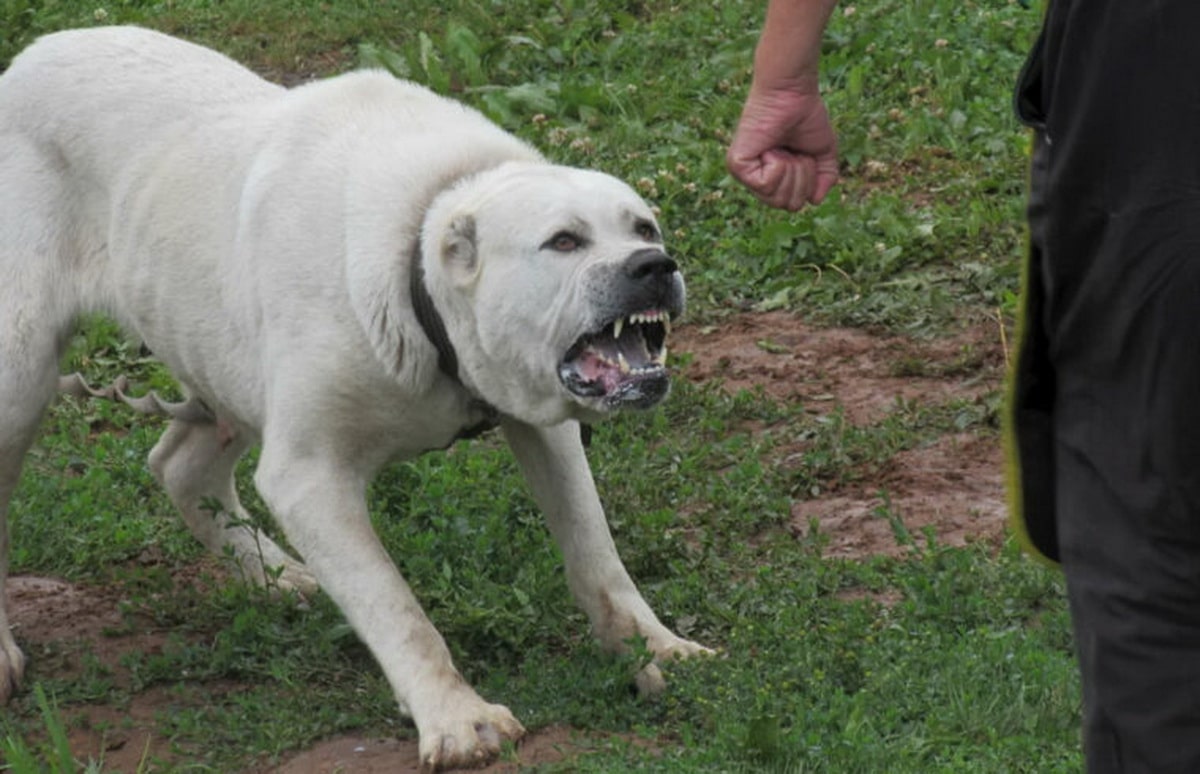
(564, 242)
(646, 230)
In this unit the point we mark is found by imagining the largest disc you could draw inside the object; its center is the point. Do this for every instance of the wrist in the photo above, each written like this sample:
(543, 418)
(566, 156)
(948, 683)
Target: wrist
(769, 80)
(788, 53)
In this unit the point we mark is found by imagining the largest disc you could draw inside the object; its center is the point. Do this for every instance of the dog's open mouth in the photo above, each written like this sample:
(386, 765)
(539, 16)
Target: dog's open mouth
(624, 363)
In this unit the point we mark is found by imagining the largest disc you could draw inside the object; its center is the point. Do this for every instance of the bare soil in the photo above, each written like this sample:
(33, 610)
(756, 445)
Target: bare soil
(952, 487)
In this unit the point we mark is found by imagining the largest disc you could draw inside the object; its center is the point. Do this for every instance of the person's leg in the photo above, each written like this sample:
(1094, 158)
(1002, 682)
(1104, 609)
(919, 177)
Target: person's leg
(1122, 317)
(1128, 471)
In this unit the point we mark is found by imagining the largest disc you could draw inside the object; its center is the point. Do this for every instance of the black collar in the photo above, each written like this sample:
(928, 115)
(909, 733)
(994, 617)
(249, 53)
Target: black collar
(435, 331)
(431, 321)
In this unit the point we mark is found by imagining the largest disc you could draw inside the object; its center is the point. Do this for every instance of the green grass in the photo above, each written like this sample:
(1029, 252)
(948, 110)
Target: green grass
(948, 659)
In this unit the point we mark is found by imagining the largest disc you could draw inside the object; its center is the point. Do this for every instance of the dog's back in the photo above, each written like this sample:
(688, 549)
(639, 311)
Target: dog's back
(107, 84)
(136, 168)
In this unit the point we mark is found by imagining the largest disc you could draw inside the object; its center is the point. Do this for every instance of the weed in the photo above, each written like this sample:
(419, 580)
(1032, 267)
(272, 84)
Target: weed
(51, 757)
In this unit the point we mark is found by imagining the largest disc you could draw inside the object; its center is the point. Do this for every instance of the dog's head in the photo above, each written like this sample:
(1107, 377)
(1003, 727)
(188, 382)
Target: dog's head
(556, 290)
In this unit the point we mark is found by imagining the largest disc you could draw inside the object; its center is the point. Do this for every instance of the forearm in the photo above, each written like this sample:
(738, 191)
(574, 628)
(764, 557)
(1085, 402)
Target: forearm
(785, 150)
(789, 47)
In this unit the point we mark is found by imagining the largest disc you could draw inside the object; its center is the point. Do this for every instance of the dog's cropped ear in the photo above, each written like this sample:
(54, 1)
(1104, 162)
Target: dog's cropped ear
(458, 247)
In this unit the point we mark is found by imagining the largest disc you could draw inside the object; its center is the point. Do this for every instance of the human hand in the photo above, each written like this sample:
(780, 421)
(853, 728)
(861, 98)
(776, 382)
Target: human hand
(784, 150)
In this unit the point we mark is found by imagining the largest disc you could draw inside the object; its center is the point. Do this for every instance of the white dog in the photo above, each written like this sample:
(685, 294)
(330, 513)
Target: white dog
(350, 272)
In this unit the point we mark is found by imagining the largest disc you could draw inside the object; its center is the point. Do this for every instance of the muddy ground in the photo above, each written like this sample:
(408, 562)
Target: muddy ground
(953, 487)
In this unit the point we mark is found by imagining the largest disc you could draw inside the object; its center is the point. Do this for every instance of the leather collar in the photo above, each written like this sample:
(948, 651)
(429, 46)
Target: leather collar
(435, 330)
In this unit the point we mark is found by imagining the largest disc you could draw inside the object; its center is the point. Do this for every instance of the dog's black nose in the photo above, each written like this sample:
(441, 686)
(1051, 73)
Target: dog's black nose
(649, 263)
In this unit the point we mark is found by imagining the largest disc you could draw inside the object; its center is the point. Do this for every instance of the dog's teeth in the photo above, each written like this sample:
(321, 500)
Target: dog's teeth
(622, 363)
(666, 323)
(661, 357)
(618, 324)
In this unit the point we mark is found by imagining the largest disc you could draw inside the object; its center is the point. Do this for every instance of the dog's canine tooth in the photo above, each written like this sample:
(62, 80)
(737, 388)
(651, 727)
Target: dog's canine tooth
(666, 323)
(618, 325)
(622, 363)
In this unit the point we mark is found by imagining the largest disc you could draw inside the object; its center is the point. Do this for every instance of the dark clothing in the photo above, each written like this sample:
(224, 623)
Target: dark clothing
(1106, 392)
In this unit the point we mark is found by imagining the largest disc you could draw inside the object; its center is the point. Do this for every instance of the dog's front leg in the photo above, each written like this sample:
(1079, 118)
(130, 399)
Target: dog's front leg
(322, 509)
(554, 463)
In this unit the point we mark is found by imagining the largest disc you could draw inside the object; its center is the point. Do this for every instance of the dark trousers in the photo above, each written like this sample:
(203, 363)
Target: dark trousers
(1106, 391)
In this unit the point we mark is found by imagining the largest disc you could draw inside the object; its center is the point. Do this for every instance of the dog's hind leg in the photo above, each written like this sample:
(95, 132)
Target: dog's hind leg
(37, 308)
(30, 343)
(26, 388)
(195, 461)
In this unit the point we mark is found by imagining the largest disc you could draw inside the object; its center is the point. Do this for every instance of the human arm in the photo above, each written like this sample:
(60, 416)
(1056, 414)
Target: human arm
(784, 149)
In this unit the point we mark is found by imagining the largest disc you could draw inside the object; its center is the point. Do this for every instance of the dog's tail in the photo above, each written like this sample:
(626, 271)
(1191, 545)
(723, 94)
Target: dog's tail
(189, 410)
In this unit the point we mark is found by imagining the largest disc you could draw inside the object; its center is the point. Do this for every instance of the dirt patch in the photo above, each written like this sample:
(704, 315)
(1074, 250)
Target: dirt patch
(375, 756)
(954, 489)
(951, 487)
(848, 368)
(63, 627)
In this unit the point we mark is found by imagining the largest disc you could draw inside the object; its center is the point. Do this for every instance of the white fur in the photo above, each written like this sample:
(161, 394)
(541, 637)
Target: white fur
(257, 239)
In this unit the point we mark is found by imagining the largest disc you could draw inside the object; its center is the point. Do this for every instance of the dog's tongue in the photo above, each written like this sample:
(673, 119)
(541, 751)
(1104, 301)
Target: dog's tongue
(613, 360)
(597, 368)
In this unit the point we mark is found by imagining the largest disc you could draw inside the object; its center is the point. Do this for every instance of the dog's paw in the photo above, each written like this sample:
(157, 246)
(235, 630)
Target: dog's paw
(294, 576)
(649, 679)
(468, 735)
(265, 564)
(678, 647)
(12, 668)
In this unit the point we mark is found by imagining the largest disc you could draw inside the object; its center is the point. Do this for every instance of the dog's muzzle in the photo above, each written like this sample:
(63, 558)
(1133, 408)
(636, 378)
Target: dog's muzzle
(622, 363)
